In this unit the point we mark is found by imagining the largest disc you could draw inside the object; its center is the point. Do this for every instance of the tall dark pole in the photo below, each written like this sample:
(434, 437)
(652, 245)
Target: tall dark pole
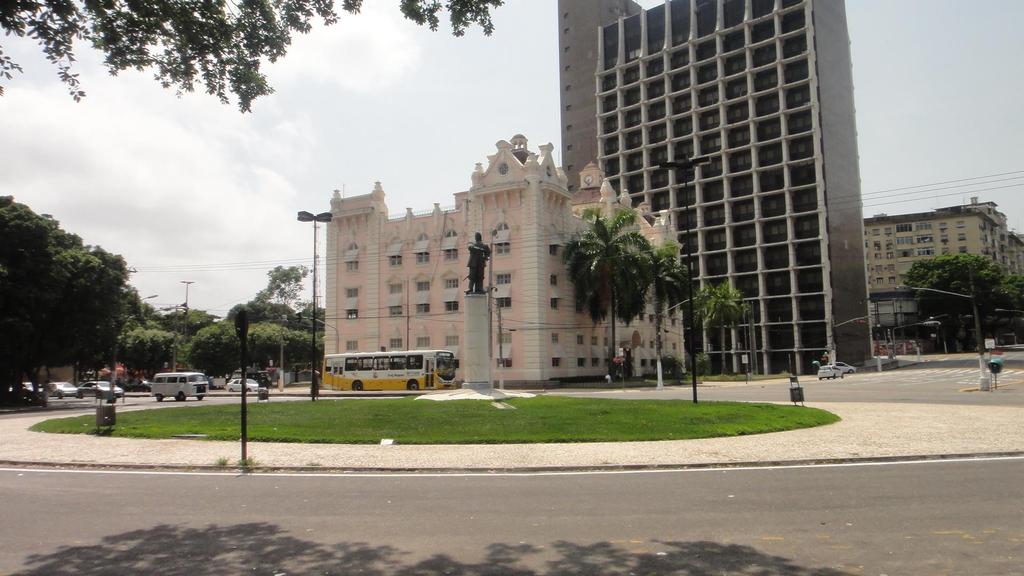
(684, 167)
(314, 388)
(242, 331)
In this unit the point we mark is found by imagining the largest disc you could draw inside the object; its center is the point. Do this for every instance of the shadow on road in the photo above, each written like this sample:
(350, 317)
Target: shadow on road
(261, 548)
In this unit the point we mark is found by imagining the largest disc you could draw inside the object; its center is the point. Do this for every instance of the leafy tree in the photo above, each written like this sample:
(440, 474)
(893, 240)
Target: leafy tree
(61, 302)
(721, 304)
(214, 349)
(668, 285)
(266, 340)
(283, 286)
(221, 45)
(969, 274)
(146, 349)
(607, 267)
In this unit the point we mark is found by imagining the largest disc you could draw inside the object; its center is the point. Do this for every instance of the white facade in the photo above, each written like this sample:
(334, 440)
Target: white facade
(398, 283)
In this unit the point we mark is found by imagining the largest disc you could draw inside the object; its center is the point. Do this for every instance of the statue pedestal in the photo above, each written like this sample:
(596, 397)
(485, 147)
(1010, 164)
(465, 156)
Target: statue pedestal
(476, 335)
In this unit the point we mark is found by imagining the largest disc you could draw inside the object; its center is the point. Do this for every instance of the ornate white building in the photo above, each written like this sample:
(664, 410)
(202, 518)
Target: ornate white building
(398, 283)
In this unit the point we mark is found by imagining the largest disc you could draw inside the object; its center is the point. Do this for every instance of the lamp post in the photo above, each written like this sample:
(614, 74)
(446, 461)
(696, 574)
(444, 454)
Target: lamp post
(303, 216)
(685, 169)
(983, 379)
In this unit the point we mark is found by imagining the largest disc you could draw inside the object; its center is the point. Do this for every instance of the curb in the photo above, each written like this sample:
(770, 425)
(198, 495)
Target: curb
(355, 471)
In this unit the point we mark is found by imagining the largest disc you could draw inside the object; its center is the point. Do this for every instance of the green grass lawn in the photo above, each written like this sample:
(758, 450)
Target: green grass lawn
(539, 419)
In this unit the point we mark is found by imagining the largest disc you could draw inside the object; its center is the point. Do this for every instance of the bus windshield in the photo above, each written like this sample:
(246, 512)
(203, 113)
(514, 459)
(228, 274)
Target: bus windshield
(446, 365)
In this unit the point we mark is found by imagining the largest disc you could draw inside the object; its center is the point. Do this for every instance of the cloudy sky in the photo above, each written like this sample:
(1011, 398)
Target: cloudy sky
(186, 188)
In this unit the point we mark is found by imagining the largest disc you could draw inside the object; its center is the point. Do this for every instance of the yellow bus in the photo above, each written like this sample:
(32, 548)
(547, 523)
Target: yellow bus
(395, 370)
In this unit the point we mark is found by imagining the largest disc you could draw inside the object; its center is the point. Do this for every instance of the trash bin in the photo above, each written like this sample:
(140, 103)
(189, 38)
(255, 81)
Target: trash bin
(796, 392)
(106, 415)
(263, 394)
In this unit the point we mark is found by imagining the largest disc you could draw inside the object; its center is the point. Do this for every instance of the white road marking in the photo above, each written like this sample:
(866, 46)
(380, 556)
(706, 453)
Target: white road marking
(724, 468)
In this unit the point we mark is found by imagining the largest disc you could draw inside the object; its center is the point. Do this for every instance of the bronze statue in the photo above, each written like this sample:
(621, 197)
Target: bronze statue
(479, 253)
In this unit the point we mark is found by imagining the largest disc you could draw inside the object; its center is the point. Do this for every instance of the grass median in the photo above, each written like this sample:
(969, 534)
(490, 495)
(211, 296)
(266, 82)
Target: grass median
(535, 420)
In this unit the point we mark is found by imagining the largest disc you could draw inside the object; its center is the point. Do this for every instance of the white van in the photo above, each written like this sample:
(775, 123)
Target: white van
(178, 385)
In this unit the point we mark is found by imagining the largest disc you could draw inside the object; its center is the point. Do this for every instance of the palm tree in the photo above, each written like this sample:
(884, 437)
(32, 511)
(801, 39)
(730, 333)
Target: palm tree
(606, 266)
(723, 305)
(668, 286)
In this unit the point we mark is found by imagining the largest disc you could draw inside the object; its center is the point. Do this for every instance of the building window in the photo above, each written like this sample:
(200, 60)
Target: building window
(423, 308)
(451, 340)
(423, 341)
(351, 345)
(504, 362)
(961, 237)
(579, 339)
(554, 303)
(904, 227)
(581, 362)
(962, 249)
(924, 225)
(395, 343)
(394, 310)
(553, 280)
(904, 239)
(926, 251)
(451, 306)
(593, 340)
(504, 302)
(554, 337)
(352, 266)
(394, 288)
(556, 362)
(553, 249)
(505, 338)
(960, 224)
(502, 248)
(503, 278)
(351, 292)
(595, 362)
(925, 239)
(423, 257)
(351, 314)
(423, 286)
(395, 260)
(451, 254)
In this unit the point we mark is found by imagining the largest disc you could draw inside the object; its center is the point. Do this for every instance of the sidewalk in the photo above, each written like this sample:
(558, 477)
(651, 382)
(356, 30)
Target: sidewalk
(866, 431)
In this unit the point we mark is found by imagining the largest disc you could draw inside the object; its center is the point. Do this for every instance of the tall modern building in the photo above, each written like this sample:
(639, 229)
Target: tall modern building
(580, 22)
(764, 88)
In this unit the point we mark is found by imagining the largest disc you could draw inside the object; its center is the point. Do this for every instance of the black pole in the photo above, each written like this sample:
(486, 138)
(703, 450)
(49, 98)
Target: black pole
(314, 390)
(242, 331)
(683, 167)
(689, 294)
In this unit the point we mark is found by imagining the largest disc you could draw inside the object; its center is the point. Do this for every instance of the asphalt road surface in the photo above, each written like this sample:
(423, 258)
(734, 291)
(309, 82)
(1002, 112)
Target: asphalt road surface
(952, 517)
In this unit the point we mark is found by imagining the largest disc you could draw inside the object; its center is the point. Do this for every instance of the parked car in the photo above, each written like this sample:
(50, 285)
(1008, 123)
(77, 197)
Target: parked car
(829, 371)
(138, 386)
(62, 389)
(846, 368)
(91, 386)
(235, 385)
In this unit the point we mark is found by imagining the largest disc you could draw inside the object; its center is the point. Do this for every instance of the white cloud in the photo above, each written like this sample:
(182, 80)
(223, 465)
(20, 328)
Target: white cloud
(362, 53)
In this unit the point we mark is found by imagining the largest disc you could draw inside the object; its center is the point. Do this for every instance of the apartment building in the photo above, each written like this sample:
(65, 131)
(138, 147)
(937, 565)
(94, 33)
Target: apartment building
(893, 243)
(764, 88)
(395, 283)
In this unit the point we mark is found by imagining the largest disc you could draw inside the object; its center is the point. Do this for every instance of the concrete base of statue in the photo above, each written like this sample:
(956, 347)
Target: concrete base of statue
(476, 334)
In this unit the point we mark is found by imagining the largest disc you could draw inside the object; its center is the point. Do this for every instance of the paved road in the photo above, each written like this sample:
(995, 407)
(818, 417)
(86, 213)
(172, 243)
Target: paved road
(925, 518)
(951, 379)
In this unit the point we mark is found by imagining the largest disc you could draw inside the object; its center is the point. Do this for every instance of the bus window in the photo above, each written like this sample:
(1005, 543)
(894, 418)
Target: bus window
(396, 363)
(366, 363)
(416, 362)
(350, 364)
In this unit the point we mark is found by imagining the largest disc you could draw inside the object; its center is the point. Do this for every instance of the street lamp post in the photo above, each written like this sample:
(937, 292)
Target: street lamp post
(684, 169)
(983, 379)
(303, 216)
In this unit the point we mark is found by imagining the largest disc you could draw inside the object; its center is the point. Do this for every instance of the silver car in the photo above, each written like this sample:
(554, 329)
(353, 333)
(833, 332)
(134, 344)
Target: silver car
(62, 389)
(92, 386)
